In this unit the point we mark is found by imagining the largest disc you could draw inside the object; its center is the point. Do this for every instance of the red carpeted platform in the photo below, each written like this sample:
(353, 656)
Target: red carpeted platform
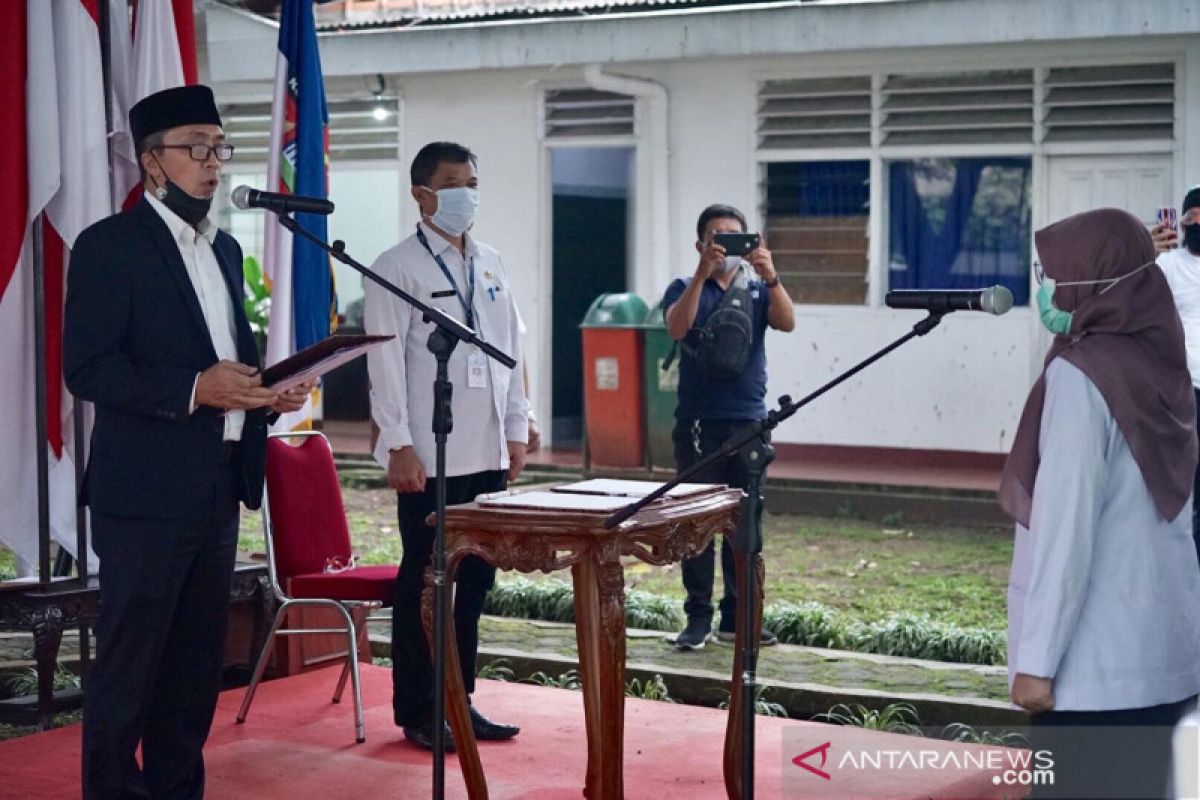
(297, 745)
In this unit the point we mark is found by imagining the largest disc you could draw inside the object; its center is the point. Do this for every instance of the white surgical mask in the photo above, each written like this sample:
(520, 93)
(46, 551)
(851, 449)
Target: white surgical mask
(731, 263)
(455, 209)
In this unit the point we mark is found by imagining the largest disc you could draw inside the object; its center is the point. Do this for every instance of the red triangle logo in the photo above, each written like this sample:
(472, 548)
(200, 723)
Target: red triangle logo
(802, 760)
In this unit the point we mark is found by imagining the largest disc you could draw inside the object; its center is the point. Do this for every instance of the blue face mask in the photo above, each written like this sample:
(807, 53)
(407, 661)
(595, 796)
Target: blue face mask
(1054, 318)
(455, 209)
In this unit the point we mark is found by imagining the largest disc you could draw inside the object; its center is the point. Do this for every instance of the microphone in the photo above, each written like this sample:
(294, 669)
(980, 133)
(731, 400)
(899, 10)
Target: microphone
(244, 197)
(994, 300)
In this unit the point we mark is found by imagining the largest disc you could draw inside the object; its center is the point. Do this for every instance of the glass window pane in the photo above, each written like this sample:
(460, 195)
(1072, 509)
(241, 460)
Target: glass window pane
(816, 218)
(960, 223)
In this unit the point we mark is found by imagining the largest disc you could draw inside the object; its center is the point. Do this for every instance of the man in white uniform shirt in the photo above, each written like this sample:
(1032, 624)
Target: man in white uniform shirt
(1181, 265)
(444, 267)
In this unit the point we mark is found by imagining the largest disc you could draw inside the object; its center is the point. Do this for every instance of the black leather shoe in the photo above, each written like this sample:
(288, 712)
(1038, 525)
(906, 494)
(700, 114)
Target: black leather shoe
(422, 736)
(488, 731)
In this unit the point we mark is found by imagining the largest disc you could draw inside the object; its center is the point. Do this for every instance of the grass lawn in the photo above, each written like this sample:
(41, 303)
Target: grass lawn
(953, 574)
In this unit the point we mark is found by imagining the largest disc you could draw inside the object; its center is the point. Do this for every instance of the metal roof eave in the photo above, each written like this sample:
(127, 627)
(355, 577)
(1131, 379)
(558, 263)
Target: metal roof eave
(242, 45)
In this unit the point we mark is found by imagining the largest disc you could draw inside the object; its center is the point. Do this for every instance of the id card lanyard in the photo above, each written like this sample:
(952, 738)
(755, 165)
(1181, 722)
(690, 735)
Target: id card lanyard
(468, 302)
(476, 361)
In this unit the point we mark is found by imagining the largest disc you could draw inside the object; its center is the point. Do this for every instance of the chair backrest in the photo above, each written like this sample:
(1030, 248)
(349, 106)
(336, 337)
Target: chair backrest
(307, 518)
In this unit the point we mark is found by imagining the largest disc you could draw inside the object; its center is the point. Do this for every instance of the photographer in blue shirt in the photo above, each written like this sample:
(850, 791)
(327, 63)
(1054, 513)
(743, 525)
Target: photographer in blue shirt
(713, 407)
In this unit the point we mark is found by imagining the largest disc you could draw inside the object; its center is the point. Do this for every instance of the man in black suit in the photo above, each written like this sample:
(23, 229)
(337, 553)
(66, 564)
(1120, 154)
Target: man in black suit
(156, 337)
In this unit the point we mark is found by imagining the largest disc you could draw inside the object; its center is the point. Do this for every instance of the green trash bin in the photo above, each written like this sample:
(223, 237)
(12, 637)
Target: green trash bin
(661, 390)
(612, 381)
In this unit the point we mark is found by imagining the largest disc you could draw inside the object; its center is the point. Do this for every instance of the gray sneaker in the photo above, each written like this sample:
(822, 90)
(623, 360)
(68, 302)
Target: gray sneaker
(694, 635)
(767, 638)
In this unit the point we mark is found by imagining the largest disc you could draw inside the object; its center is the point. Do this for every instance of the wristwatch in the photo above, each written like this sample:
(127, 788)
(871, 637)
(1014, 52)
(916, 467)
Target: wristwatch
(771, 284)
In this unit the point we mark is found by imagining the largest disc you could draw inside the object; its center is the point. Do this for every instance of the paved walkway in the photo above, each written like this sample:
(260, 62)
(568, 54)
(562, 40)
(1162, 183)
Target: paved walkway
(805, 680)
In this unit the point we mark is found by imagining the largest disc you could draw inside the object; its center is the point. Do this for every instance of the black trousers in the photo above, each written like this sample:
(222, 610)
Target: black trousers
(164, 595)
(1123, 754)
(693, 440)
(412, 667)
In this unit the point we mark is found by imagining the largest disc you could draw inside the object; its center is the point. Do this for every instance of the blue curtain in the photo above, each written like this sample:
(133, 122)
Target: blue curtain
(960, 224)
(818, 188)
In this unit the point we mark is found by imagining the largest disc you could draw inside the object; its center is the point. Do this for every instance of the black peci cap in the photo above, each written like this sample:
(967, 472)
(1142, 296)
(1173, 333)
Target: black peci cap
(172, 108)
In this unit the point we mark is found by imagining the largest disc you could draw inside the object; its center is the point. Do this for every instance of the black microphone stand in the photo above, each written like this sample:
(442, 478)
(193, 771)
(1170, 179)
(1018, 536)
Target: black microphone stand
(447, 333)
(755, 449)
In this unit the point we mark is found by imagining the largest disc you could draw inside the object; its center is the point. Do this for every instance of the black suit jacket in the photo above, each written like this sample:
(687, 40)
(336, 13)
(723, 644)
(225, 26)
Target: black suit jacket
(134, 340)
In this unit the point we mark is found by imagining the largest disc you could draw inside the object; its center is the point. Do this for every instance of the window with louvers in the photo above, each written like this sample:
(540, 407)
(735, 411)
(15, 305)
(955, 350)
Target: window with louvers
(817, 215)
(963, 108)
(817, 112)
(815, 206)
(1112, 103)
(359, 130)
(580, 113)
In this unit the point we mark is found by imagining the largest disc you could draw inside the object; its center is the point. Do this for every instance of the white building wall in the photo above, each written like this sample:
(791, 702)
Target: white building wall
(960, 388)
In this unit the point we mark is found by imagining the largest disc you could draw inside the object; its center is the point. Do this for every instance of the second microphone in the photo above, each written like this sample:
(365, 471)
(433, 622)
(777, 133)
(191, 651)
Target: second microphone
(245, 197)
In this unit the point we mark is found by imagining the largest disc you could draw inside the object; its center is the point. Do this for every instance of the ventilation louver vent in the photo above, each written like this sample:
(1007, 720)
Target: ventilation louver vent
(359, 130)
(816, 112)
(962, 108)
(576, 113)
(1089, 104)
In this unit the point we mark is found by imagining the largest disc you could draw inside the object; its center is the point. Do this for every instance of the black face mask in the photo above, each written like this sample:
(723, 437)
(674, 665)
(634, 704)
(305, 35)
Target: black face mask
(1191, 238)
(189, 208)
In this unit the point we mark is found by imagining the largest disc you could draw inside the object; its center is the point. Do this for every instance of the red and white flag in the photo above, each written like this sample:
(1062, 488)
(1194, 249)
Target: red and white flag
(55, 94)
(56, 161)
(159, 53)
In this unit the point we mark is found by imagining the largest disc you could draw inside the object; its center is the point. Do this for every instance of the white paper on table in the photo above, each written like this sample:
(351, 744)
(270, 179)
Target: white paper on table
(557, 501)
(625, 488)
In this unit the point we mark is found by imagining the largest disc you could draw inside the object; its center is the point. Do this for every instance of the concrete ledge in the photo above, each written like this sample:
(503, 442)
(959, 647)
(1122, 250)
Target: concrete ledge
(801, 700)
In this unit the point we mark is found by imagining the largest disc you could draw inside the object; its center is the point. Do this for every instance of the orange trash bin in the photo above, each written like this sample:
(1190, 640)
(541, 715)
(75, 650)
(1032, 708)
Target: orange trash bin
(613, 395)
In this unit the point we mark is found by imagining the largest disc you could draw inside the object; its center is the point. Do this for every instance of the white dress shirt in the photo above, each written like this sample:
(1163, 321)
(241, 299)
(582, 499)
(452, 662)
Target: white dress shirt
(195, 246)
(1182, 269)
(402, 371)
(1104, 594)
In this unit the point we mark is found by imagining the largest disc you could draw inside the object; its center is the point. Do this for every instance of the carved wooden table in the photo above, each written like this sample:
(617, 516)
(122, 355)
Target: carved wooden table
(529, 540)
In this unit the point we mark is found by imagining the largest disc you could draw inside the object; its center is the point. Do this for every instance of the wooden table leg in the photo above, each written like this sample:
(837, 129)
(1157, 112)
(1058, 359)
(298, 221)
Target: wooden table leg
(587, 612)
(734, 744)
(457, 713)
(600, 633)
(47, 638)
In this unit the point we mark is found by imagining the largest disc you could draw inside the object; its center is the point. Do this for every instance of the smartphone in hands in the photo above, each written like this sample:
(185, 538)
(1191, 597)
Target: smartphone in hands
(1169, 221)
(737, 244)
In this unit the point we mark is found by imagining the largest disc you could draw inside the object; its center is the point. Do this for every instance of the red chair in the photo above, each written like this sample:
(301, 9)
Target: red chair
(308, 550)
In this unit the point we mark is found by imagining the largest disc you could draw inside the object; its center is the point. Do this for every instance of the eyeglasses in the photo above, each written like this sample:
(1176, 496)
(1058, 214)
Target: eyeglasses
(202, 152)
(336, 564)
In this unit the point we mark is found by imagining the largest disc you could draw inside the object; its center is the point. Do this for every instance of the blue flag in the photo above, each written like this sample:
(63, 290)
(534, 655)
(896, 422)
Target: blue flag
(304, 169)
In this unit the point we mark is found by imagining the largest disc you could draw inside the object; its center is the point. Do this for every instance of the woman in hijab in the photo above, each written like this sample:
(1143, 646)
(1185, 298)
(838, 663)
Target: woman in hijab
(1104, 594)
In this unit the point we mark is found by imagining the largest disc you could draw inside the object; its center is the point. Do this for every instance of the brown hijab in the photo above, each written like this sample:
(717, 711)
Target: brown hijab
(1129, 342)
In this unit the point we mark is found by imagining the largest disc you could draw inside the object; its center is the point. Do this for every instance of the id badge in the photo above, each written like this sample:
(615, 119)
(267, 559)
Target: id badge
(477, 370)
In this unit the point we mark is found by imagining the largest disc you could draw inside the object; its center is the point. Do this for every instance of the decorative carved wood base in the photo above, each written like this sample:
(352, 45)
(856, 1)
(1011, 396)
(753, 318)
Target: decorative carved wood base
(536, 540)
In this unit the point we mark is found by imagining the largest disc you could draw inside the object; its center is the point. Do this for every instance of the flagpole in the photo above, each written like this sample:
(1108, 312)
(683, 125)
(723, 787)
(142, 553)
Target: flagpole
(39, 400)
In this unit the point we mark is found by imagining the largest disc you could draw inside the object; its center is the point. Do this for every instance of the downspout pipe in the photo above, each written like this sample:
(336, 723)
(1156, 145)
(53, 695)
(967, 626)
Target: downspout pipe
(652, 162)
